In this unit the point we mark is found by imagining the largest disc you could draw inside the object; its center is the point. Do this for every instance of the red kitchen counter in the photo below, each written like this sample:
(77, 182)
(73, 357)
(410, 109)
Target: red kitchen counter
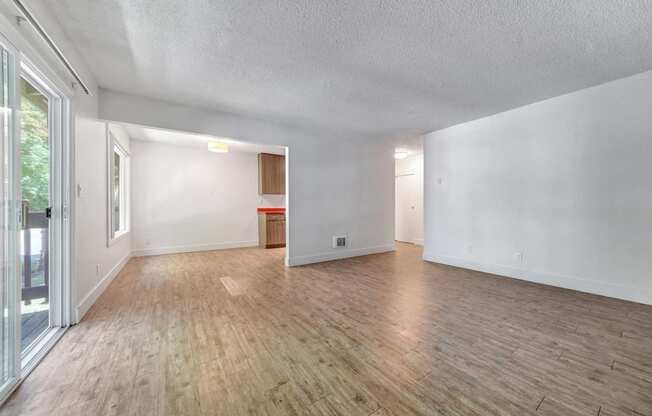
(271, 210)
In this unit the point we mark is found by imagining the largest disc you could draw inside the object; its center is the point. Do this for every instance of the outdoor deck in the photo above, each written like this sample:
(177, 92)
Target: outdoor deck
(32, 325)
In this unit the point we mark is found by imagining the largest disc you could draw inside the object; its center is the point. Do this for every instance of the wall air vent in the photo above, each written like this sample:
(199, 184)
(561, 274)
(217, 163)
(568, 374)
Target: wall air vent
(339, 241)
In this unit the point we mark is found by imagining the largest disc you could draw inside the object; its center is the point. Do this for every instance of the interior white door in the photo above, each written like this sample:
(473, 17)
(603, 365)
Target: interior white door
(406, 204)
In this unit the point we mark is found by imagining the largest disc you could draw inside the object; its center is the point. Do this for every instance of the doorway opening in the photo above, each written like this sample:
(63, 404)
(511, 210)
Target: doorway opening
(193, 193)
(409, 193)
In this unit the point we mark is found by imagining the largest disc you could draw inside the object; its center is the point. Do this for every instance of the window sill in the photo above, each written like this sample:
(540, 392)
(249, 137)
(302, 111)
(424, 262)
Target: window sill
(116, 238)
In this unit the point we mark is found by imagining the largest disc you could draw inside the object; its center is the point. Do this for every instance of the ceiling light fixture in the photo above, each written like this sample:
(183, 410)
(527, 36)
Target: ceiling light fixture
(400, 154)
(217, 147)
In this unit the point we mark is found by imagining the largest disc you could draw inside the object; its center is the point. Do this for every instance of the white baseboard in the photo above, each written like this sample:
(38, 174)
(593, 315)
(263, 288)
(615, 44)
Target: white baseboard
(192, 248)
(416, 241)
(99, 288)
(339, 254)
(546, 278)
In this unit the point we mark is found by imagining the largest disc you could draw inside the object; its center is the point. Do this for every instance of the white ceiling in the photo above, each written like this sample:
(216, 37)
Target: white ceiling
(178, 138)
(391, 68)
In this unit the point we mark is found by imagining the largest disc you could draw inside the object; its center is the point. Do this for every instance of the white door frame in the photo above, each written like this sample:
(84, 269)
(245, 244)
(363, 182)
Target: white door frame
(11, 270)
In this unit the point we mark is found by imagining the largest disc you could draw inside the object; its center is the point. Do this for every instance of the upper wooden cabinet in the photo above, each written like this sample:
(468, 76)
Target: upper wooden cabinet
(271, 174)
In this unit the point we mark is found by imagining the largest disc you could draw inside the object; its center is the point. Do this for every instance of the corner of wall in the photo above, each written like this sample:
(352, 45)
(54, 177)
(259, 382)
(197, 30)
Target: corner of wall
(551, 279)
(338, 255)
(91, 297)
(92, 255)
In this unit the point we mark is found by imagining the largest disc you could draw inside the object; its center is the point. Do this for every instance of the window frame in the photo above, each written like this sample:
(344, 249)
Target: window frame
(114, 146)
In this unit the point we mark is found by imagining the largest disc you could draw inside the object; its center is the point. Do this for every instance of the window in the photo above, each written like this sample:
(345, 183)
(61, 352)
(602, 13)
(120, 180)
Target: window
(118, 197)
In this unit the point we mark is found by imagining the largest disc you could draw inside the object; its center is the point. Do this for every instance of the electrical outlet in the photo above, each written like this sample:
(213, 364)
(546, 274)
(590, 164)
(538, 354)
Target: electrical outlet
(518, 256)
(98, 269)
(339, 241)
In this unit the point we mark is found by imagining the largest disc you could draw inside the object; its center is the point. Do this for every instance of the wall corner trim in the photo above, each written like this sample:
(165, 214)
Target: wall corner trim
(92, 296)
(339, 254)
(551, 279)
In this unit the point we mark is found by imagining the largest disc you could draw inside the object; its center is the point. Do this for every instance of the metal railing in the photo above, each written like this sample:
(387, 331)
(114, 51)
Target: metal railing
(29, 291)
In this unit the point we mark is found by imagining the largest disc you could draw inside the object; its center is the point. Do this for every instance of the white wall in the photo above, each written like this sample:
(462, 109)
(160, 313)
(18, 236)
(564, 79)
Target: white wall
(187, 199)
(89, 144)
(271, 201)
(91, 214)
(335, 186)
(566, 182)
(411, 196)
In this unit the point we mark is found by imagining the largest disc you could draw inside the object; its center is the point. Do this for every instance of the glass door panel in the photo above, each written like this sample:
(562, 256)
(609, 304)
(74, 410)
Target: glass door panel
(34, 233)
(8, 225)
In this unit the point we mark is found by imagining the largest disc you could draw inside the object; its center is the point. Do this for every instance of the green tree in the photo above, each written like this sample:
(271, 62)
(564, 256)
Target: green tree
(34, 152)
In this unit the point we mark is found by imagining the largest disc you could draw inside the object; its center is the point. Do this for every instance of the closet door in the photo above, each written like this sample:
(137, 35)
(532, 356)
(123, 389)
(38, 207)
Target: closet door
(406, 202)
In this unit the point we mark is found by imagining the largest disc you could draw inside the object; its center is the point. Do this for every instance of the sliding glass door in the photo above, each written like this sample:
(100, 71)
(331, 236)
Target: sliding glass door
(37, 210)
(33, 239)
(8, 223)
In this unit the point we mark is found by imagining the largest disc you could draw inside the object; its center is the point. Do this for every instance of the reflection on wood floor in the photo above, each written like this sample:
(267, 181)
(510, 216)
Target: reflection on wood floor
(235, 333)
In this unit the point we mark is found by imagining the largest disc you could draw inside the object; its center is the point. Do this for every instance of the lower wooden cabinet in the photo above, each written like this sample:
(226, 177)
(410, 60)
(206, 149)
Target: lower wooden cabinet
(271, 230)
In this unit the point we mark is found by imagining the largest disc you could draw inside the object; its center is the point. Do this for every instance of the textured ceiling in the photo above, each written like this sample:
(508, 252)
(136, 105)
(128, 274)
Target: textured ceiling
(390, 68)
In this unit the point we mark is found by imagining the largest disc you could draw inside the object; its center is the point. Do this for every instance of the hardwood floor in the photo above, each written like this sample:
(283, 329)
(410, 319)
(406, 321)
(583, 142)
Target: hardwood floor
(235, 333)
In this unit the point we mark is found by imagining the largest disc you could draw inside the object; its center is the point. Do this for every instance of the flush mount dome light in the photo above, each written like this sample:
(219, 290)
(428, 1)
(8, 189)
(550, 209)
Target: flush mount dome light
(400, 154)
(217, 147)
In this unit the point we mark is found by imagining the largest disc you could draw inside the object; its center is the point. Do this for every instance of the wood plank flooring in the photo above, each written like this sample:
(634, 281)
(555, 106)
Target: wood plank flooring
(235, 333)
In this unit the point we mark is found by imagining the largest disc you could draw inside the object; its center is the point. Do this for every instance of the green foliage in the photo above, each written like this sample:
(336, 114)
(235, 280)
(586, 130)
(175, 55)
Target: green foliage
(35, 155)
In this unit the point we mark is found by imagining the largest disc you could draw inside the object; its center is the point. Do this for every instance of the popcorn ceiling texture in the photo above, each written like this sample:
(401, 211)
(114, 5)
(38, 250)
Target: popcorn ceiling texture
(359, 67)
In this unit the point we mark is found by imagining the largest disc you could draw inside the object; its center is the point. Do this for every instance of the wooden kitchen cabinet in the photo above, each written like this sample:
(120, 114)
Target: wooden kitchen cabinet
(271, 174)
(271, 230)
